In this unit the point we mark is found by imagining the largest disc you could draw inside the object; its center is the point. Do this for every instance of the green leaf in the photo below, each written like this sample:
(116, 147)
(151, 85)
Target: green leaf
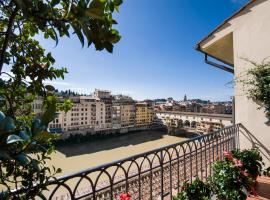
(14, 138)
(78, 33)
(118, 2)
(95, 13)
(40, 195)
(24, 136)
(36, 126)
(54, 2)
(4, 155)
(98, 4)
(45, 136)
(49, 114)
(7, 124)
(2, 116)
(23, 159)
(58, 170)
(49, 88)
(109, 47)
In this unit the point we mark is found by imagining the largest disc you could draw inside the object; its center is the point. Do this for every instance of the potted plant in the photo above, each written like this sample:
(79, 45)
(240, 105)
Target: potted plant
(227, 182)
(197, 190)
(251, 159)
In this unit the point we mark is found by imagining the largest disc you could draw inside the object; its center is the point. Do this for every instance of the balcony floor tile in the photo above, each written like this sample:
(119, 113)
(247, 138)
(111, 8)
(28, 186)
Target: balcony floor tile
(263, 189)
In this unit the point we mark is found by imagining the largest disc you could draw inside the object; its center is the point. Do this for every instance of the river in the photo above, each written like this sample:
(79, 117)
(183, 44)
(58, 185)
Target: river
(77, 157)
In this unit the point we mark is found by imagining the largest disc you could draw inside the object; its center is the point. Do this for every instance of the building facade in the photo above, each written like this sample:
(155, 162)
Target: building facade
(106, 98)
(87, 112)
(144, 114)
(123, 111)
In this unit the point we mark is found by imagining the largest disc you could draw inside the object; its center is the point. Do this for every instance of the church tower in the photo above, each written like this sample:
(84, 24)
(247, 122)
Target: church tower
(185, 98)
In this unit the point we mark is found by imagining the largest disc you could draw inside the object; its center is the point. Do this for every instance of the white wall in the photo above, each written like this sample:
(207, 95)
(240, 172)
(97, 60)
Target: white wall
(251, 38)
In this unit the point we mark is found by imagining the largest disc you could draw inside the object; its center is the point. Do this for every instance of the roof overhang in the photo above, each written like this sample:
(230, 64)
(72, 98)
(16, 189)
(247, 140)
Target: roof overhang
(219, 44)
(219, 48)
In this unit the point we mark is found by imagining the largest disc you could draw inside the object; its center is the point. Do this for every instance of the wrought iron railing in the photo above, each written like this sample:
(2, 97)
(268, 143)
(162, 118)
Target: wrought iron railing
(156, 174)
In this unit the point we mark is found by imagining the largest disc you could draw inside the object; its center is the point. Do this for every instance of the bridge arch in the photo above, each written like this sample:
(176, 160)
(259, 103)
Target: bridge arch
(193, 124)
(180, 123)
(187, 123)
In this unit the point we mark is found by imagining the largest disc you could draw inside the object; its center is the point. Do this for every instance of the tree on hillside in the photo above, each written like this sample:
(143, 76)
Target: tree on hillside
(21, 131)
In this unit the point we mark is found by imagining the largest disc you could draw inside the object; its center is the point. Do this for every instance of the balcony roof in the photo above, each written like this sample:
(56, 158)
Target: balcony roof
(219, 42)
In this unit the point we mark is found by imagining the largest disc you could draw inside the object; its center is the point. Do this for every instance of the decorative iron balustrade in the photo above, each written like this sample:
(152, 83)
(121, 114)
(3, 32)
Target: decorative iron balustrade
(156, 174)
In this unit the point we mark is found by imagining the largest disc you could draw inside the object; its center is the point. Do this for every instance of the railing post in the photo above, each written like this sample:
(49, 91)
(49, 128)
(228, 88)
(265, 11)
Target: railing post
(161, 171)
(235, 136)
(217, 146)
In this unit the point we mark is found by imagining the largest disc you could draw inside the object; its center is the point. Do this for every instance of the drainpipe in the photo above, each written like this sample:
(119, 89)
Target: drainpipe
(225, 68)
(233, 109)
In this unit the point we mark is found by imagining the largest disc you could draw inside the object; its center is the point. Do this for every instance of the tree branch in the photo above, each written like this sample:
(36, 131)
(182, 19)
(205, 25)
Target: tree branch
(7, 37)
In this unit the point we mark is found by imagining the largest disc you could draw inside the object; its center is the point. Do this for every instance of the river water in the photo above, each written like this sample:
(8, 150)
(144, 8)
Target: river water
(77, 157)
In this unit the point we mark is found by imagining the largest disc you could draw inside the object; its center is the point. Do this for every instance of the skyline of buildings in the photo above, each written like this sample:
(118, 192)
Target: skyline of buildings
(101, 110)
(67, 93)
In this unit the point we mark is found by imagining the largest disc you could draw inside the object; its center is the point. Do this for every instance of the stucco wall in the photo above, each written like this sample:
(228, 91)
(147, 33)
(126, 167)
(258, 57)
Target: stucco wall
(251, 38)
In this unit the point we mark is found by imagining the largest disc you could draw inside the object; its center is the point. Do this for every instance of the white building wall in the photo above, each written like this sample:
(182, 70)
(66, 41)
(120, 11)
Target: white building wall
(251, 38)
(250, 31)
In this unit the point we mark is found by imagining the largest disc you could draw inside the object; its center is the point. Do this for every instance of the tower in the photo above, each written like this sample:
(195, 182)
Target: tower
(185, 97)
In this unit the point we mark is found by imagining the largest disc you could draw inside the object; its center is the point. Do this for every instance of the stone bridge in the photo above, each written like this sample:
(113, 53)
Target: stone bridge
(192, 119)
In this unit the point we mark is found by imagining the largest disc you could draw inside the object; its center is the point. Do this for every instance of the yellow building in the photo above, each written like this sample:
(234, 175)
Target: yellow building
(127, 114)
(144, 114)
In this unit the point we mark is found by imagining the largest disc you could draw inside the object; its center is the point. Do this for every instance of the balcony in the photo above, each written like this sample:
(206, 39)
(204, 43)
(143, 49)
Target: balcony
(157, 174)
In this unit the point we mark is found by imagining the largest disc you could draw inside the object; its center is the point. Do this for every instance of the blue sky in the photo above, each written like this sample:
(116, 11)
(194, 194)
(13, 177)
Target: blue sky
(155, 57)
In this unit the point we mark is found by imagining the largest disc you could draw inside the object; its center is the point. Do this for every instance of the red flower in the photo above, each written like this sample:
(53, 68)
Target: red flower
(228, 155)
(125, 196)
(244, 173)
(237, 163)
